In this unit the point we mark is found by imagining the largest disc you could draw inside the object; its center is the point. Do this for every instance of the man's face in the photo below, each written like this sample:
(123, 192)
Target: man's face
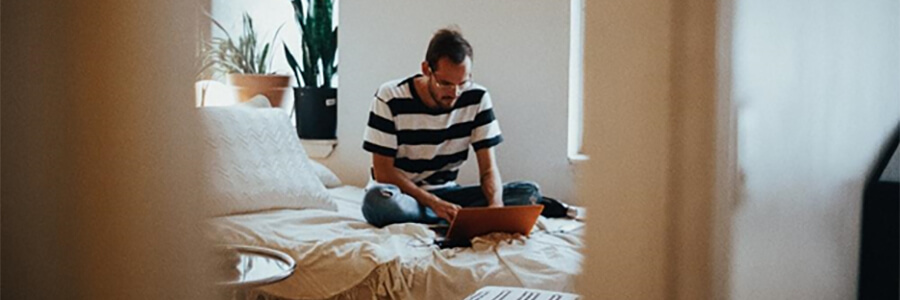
(448, 80)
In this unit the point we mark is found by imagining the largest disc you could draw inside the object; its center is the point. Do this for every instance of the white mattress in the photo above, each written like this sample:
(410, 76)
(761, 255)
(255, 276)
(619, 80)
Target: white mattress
(349, 200)
(338, 253)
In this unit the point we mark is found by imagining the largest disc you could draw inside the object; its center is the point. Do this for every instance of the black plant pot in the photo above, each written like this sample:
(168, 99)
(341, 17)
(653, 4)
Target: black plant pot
(316, 111)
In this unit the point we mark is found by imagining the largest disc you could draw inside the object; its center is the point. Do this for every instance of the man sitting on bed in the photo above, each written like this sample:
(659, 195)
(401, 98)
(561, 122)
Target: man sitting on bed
(419, 132)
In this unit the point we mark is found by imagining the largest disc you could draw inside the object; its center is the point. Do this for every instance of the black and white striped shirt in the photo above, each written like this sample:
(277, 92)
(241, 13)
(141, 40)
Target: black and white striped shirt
(429, 146)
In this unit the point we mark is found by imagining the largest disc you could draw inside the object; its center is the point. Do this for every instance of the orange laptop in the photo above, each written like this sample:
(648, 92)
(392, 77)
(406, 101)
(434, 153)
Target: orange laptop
(471, 222)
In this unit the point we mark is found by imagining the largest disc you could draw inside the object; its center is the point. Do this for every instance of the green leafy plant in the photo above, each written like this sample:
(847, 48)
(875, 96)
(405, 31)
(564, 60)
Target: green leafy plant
(225, 55)
(318, 42)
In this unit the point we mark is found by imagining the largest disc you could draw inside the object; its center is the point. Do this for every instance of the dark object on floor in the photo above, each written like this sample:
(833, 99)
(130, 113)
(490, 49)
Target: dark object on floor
(879, 266)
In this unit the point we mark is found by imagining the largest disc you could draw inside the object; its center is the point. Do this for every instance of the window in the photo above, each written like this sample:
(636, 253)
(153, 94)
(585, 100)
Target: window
(576, 80)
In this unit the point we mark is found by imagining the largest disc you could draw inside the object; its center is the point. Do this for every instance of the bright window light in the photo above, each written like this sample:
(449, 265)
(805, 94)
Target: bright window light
(576, 80)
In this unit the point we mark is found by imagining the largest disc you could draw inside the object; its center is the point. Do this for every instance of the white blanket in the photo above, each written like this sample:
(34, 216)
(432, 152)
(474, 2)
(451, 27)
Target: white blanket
(337, 252)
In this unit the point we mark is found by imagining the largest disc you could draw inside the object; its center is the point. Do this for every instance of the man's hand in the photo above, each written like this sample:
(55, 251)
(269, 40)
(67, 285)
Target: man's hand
(384, 171)
(495, 204)
(444, 210)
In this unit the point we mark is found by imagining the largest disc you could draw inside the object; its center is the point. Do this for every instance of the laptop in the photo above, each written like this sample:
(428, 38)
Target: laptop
(471, 222)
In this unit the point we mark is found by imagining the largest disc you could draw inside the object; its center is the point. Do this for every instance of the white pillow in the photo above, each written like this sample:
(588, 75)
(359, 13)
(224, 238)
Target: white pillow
(256, 162)
(326, 176)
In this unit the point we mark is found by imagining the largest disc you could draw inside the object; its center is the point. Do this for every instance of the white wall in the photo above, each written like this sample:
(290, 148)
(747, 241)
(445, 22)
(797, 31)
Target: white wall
(521, 56)
(818, 86)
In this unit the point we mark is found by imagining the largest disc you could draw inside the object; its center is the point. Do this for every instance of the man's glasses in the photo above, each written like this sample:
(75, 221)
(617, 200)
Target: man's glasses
(441, 84)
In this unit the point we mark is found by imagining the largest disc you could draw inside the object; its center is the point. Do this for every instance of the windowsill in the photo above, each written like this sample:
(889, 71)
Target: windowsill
(578, 158)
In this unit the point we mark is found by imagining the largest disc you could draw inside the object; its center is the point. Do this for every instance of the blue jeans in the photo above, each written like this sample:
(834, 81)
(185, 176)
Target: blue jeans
(385, 204)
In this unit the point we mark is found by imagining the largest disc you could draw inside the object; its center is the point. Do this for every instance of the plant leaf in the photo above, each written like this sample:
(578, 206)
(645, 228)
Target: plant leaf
(310, 67)
(293, 63)
(261, 67)
(298, 14)
(222, 28)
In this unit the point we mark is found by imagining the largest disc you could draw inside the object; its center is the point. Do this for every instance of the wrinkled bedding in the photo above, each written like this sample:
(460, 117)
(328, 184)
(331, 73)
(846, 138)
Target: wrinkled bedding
(340, 256)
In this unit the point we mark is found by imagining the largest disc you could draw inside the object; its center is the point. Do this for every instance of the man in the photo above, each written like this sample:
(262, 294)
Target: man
(419, 132)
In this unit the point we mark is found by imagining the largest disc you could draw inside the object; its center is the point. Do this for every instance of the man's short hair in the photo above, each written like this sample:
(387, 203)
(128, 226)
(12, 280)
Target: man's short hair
(449, 43)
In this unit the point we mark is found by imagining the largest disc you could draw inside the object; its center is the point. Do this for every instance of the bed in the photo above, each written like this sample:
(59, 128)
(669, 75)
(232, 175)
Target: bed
(264, 191)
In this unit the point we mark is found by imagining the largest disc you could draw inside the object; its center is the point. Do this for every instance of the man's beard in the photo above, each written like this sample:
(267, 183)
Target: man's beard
(438, 103)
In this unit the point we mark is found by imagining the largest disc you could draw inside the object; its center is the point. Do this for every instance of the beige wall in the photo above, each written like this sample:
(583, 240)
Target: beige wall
(818, 89)
(626, 76)
(651, 113)
(101, 171)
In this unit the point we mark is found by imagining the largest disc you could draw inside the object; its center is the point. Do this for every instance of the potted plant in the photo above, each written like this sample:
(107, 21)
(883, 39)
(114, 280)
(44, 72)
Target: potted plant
(245, 63)
(316, 96)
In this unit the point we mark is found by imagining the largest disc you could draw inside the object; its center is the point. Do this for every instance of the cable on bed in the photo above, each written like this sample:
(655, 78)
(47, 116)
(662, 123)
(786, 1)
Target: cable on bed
(421, 243)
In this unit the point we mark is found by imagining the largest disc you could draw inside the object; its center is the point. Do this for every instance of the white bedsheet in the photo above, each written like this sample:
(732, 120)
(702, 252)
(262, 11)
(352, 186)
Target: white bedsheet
(337, 251)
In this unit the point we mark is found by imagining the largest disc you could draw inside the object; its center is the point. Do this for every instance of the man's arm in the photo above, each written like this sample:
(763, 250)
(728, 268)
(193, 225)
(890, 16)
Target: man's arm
(489, 175)
(386, 173)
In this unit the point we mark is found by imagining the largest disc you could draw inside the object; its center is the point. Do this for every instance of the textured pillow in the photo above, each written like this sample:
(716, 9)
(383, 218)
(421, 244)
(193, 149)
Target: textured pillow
(326, 176)
(256, 162)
